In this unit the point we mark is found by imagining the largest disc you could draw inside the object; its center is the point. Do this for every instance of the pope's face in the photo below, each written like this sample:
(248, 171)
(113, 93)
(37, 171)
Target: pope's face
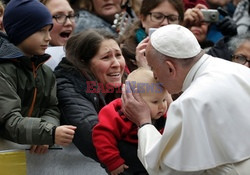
(162, 71)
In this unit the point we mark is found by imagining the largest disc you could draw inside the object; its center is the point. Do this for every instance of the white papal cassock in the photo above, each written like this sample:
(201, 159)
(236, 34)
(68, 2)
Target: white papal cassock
(207, 127)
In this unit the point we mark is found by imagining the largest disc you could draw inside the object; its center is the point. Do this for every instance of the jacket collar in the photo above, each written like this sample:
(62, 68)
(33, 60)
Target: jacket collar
(8, 50)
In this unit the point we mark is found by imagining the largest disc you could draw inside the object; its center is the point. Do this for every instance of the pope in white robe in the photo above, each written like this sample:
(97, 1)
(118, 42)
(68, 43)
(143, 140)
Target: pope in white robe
(208, 125)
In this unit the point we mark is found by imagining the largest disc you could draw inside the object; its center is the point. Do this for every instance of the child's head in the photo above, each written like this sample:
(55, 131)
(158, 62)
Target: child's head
(27, 24)
(151, 91)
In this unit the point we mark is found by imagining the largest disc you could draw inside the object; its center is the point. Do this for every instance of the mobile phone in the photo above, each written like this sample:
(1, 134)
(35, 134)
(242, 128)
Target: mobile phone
(150, 31)
(210, 15)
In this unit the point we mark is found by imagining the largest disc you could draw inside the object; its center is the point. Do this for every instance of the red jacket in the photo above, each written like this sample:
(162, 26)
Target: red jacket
(112, 127)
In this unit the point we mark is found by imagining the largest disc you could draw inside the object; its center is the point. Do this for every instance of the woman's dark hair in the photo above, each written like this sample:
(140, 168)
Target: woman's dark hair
(83, 46)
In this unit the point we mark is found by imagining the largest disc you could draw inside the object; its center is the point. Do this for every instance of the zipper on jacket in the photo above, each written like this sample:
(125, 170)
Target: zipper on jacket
(34, 69)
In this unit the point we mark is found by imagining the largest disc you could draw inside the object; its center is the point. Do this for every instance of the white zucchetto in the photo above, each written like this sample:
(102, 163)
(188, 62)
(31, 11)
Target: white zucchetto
(175, 41)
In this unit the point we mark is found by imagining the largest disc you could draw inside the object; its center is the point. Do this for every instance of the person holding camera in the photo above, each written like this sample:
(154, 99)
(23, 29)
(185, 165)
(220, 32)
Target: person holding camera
(218, 29)
(200, 27)
(231, 26)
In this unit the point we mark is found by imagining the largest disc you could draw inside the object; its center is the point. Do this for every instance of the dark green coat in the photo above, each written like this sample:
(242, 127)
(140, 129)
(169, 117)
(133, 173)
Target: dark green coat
(28, 103)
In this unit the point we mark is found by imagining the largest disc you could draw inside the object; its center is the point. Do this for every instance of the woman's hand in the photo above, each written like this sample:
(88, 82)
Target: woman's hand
(140, 53)
(193, 16)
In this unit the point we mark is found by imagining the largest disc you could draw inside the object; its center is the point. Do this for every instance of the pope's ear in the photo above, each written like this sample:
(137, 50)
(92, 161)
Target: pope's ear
(170, 67)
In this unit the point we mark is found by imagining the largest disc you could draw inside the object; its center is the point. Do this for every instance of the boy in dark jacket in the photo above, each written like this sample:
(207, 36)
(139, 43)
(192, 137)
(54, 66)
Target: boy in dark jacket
(28, 103)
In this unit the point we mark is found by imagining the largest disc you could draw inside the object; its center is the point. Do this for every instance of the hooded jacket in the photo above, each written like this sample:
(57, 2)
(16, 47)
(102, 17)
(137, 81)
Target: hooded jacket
(28, 103)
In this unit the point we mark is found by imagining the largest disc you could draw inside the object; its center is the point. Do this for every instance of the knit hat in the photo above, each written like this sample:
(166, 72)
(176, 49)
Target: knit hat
(175, 41)
(22, 18)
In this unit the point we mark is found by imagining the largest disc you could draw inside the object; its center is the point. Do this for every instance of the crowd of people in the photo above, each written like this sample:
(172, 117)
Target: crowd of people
(139, 86)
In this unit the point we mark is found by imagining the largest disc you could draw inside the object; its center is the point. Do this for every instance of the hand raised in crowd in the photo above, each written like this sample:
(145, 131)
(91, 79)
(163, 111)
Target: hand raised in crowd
(140, 53)
(119, 170)
(194, 15)
(39, 149)
(64, 134)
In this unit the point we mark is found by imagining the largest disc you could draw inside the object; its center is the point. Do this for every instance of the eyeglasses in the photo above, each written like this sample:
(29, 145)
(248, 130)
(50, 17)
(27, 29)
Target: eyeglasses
(61, 19)
(159, 18)
(242, 59)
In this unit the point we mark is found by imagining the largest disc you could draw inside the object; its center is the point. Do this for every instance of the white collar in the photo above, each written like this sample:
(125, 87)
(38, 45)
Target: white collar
(193, 71)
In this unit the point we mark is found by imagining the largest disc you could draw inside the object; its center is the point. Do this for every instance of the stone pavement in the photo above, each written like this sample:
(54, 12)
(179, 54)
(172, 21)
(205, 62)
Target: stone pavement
(66, 161)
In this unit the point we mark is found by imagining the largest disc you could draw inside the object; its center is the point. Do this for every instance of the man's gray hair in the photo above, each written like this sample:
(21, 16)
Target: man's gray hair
(236, 41)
